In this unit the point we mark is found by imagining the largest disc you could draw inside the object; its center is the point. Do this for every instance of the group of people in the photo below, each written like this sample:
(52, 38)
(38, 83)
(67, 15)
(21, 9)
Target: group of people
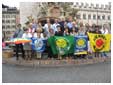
(60, 27)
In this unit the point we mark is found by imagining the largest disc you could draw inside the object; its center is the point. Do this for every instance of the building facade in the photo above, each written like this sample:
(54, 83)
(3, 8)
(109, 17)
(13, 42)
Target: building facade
(87, 13)
(37, 10)
(10, 18)
(93, 13)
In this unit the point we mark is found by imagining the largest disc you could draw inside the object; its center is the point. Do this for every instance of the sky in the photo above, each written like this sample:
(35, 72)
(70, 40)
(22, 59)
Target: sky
(15, 3)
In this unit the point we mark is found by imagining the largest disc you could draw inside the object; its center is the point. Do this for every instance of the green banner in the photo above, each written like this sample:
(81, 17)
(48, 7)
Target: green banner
(61, 44)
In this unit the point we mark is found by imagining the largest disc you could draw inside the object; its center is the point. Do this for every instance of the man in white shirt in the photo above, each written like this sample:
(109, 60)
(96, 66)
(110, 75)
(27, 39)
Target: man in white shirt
(104, 30)
(47, 26)
(55, 25)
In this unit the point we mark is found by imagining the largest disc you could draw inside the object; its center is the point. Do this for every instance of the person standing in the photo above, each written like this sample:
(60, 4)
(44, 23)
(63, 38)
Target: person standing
(55, 25)
(70, 24)
(81, 30)
(66, 32)
(47, 26)
(75, 26)
(27, 46)
(34, 24)
(104, 31)
(97, 31)
(61, 22)
(3, 43)
(74, 32)
(59, 32)
(30, 29)
(18, 34)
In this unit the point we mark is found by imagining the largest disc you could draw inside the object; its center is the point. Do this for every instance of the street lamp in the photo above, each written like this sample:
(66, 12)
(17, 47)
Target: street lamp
(97, 12)
(89, 16)
(97, 16)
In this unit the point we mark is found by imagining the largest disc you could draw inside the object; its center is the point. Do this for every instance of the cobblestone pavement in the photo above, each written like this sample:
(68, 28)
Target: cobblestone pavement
(92, 73)
(54, 62)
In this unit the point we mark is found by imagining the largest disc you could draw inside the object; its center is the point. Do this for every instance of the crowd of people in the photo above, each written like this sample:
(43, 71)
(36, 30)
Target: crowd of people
(60, 27)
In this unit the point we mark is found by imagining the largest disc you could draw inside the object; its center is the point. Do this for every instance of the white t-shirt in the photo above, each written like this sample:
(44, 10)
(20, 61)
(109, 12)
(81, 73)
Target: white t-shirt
(26, 35)
(35, 35)
(55, 27)
(104, 31)
(47, 28)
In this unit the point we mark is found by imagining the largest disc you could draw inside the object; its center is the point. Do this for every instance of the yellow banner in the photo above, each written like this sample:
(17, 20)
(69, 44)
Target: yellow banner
(99, 42)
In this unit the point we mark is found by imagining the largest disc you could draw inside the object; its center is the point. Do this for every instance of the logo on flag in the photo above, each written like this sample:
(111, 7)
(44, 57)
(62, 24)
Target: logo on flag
(61, 44)
(99, 42)
(81, 44)
(38, 45)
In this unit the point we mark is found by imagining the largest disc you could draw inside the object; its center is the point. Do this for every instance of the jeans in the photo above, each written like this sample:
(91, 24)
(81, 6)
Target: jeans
(103, 54)
(19, 46)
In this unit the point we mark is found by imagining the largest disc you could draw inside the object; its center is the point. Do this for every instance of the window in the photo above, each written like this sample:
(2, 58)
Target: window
(7, 21)
(94, 16)
(77, 3)
(8, 32)
(103, 17)
(82, 4)
(3, 21)
(13, 16)
(97, 5)
(13, 21)
(89, 16)
(98, 16)
(7, 16)
(108, 17)
(13, 26)
(92, 5)
(7, 26)
(102, 6)
(85, 6)
(3, 16)
(5, 32)
(84, 16)
(3, 27)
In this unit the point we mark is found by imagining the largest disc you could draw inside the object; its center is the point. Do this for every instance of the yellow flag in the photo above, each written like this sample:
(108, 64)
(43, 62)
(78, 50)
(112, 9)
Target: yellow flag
(99, 42)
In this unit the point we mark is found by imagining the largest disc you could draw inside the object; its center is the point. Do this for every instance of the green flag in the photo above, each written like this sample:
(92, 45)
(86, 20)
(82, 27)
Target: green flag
(61, 44)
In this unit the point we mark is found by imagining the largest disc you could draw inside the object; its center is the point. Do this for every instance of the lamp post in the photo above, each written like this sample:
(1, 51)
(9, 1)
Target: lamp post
(97, 16)
(88, 15)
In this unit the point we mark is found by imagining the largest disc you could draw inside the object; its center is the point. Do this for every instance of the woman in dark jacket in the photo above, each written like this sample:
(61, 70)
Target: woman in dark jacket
(59, 32)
